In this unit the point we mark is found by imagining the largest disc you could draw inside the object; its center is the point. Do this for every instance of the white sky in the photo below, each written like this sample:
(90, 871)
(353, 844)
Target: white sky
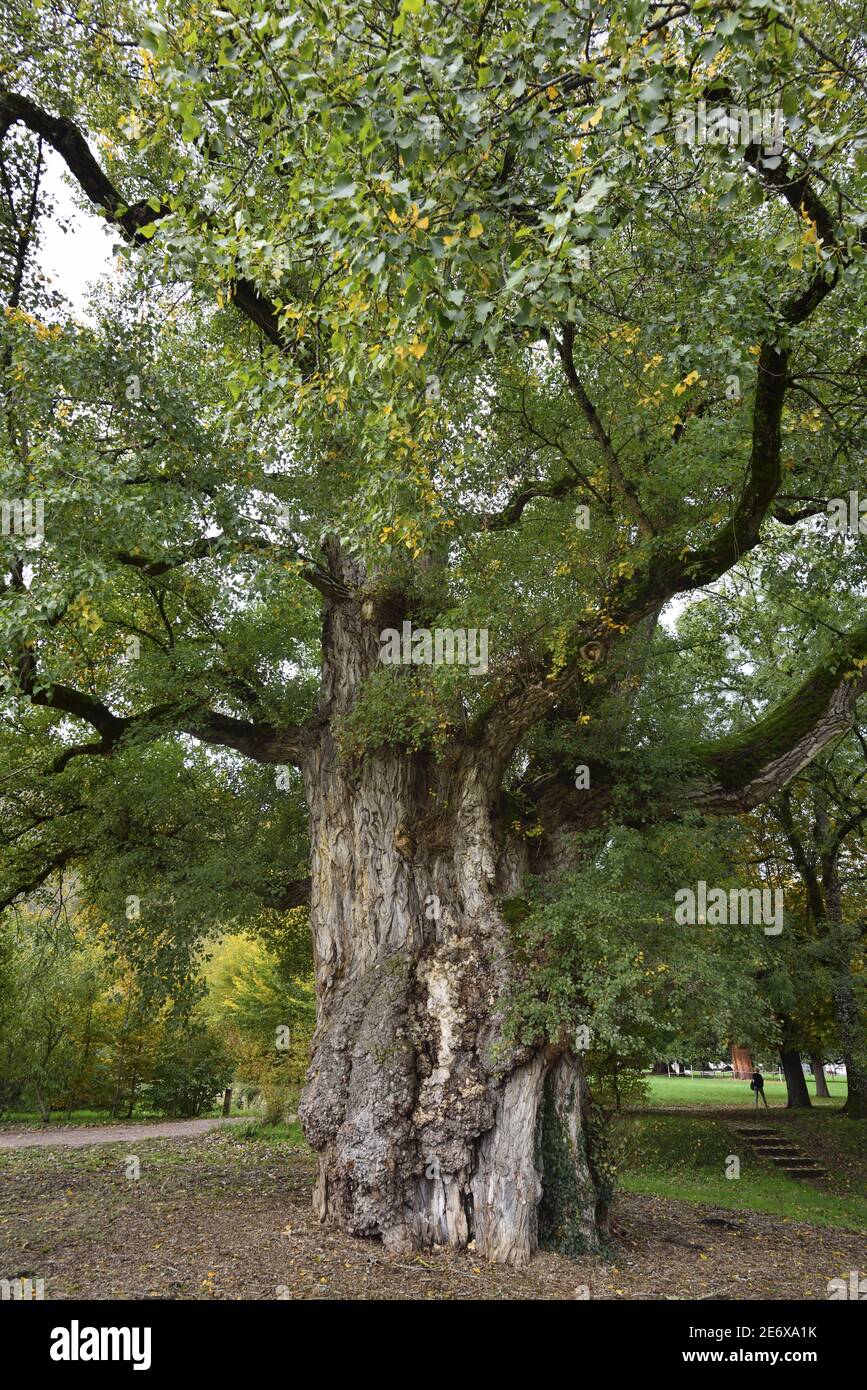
(76, 258)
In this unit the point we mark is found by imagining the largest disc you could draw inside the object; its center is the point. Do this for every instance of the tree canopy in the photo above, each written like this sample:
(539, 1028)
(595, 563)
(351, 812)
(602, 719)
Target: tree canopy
(524, 319)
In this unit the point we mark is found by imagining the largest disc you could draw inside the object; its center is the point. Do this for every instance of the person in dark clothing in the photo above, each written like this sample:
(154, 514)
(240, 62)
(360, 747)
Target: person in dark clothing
(758, 1085)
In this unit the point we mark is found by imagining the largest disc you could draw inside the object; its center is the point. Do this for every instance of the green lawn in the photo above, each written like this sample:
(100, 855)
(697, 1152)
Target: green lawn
(142, 1114)
(684, 1156)
(30, 1119)
(257, 1131)
(724, 1090)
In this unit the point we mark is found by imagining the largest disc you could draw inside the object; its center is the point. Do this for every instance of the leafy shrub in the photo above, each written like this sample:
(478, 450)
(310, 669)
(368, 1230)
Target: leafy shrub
(187, 1080)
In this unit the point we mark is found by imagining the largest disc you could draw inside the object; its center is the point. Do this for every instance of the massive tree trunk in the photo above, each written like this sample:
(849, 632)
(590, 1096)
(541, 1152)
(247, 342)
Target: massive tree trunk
(430, 1127)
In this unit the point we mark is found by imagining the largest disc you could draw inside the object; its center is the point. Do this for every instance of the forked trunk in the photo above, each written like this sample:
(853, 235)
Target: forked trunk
(430, 1128)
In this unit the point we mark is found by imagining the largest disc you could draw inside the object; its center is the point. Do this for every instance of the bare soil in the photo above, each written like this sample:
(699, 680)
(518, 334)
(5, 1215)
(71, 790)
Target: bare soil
(79, 1136)
(218, 1217)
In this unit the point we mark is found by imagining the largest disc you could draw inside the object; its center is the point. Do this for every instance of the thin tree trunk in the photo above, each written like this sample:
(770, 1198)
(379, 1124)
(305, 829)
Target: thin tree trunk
(85, 1058)
(134, 1078)
(819, 1073)
(44, 1108)
(853, 1046)
(849, 1021)
(115, 1101)
(798, 1097)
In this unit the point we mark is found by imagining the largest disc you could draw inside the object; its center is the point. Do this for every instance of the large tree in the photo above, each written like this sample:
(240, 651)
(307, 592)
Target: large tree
(434, 314)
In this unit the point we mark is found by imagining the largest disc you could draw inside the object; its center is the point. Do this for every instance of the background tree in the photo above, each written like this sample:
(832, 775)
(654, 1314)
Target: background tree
(809, 838)
(263, 1008)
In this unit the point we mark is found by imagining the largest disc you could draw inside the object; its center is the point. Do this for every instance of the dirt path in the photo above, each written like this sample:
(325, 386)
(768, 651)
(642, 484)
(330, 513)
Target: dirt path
(78, 1137)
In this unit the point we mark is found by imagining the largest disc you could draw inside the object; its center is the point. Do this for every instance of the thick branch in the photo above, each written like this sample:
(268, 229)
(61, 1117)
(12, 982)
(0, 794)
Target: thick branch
(669, 571)
(514, 508)
(740, 772)
(263, 743)
(749, 767)
(209, 547)
(35, 879)
(65, 137)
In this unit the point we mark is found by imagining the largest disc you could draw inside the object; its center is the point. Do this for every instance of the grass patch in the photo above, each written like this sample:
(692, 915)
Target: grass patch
(30, 1119)
(684, 1157)
(258, 1132)
(142, 1114)
(244, 1144)
(720, 1091)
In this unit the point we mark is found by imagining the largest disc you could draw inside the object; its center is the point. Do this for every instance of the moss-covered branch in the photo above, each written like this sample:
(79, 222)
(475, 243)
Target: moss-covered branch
(748, 767)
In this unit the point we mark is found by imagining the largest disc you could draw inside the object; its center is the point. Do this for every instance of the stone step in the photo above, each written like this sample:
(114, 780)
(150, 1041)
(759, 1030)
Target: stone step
(770, 1144)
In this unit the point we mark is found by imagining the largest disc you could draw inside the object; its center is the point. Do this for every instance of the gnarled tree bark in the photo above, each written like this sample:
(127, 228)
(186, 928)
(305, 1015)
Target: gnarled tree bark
(430, 1127)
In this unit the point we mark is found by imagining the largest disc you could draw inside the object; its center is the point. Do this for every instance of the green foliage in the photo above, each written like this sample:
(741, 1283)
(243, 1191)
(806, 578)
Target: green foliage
(398, 708)
(50, 1024)
(599, 949)
(264, 1013)
(261, 1132)
(79, 1028)
(191, 1072)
